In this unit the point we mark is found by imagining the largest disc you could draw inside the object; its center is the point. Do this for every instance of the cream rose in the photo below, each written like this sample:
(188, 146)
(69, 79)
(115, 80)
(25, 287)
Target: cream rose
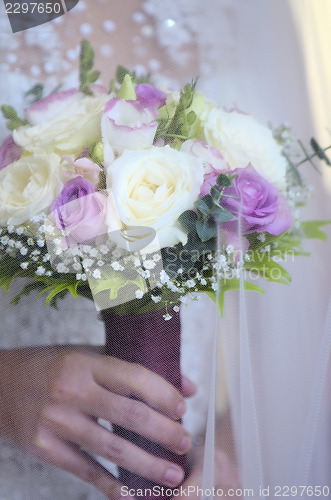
(153, 187)
(242, 140)
(28, 187)
(68, 131)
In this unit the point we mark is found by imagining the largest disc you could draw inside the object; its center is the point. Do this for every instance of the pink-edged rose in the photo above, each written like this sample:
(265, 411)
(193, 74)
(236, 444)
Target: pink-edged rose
(149, 96)
(9, 152)
(213, 162)
(80, 211)
(126, 124)
(258, 202)
(84, 167)
(45, 109)
(70, 126)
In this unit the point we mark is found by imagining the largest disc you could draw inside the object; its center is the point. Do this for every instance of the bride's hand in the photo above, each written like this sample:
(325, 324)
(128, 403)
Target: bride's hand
(226, 478)
(226, 473)
(50, 398)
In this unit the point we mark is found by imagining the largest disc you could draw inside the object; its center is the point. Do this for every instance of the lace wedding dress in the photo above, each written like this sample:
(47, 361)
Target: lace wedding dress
(236, 50)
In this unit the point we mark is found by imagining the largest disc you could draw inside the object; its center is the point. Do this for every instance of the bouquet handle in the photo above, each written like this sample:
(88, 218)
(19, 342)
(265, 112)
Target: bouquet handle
(151, 341)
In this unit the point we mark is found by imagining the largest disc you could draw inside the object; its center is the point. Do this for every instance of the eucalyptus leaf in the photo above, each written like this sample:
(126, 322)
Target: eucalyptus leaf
(188, 220)
(206, 229)
(223, 180)
(204, 204)
(221, 214)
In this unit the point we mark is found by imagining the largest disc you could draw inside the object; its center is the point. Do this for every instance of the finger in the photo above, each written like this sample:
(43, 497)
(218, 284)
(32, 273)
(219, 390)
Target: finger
(132, 415)
(84, 432)
(188, 387)
(190, 488)
(227, 473)
(131, 379)
(50, 449)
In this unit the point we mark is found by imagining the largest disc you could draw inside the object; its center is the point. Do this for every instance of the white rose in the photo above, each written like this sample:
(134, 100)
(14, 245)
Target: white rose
(67, 132)
(242, 140)
(153, 187)
(28, 187)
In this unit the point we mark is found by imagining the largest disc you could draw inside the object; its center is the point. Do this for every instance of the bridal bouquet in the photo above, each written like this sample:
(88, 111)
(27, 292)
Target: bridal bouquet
(137, 196)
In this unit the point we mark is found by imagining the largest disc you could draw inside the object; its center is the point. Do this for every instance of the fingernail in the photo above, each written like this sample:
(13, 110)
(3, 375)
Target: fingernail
(174, 476)
(188, 385)
(181, 409)
(185, 443)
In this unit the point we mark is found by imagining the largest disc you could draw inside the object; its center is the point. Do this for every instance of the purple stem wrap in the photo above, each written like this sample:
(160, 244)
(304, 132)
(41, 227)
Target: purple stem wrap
(151, 341)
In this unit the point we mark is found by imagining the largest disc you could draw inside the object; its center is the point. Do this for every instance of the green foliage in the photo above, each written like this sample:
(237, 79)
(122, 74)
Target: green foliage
(206, 229)
(58, 286)
(121, 73)
(36, 91)
(264, 266)
(204, 204)
(210, 209)
(176, 121)
(10, 114)
(114, 282)
(26, 290)
(202, 225)
(226, 285)
(224, 180)
(87, 75)
(9, 270)
(188, 221)
(312, 229)
(320, 152)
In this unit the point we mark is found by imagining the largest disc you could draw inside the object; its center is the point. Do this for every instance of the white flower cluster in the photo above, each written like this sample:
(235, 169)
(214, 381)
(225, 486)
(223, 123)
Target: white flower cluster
(27, 245)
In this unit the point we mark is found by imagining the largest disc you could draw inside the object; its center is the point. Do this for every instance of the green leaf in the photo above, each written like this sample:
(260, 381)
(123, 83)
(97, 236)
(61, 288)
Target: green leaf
(191, 117)
(29, 288)
(263, 265)
(13, 120)
(206, 229)
(223, 180)
(226, 285)
(58, 289)
(176, 121)
(319, 151)
(121, 72)
(221, 214)
(92, 76)
(86, 74)
(204, 204)
(188, 220)
(216, 195)
(86, 56)
(114, 281)
(37, 91)
(312, 229)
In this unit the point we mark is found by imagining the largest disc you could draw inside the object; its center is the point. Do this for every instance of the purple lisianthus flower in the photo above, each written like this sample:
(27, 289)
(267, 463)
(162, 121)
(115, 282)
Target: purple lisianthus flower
(80, 210)
(150, 96)
(257, 202)
(9, 152)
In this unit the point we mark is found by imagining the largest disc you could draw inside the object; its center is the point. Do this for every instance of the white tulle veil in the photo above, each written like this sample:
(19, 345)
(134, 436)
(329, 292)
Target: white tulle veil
(276, 345)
